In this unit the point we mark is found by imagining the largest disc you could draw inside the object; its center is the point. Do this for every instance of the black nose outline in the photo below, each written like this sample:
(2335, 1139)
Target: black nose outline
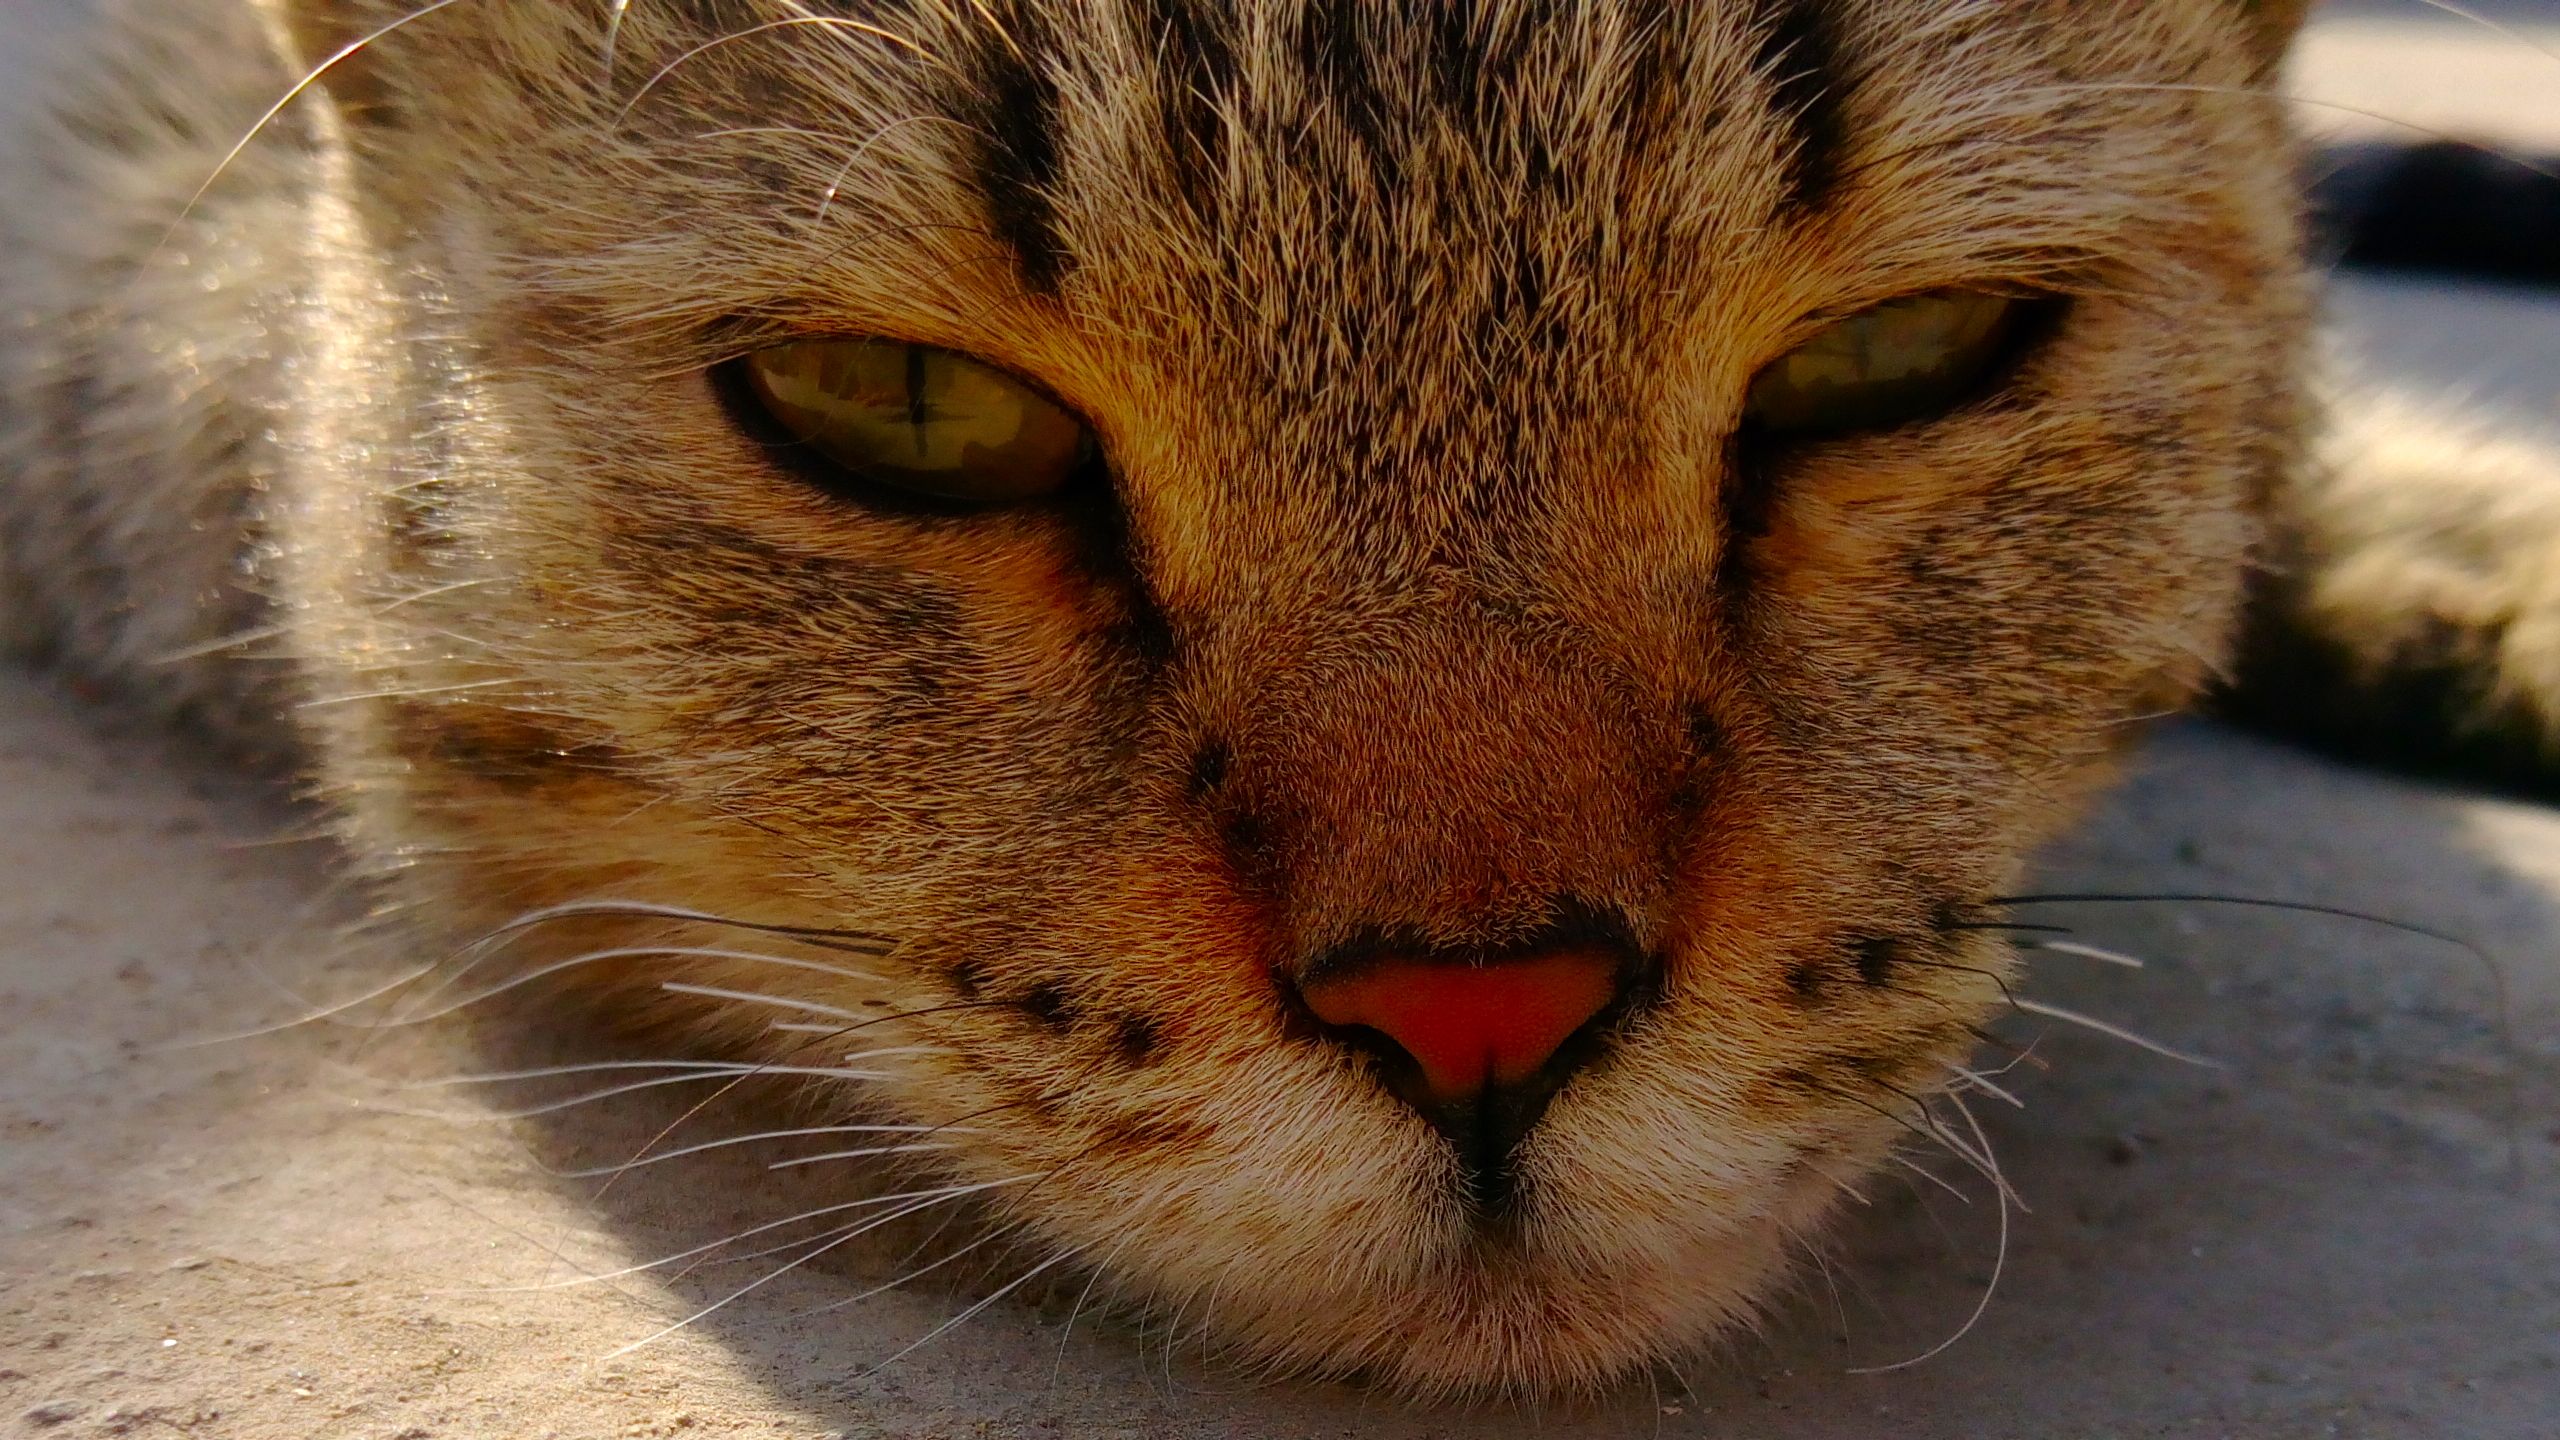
(1485, 1130)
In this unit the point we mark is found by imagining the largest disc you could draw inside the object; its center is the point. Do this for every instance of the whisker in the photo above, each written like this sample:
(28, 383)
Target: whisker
(714, 1098)
(590, 1098)
(2532, 167)
(823, 1235)
(910, 1276)
(1979, 1157)
(406, 692)
(2115, 1032)
(751, 1287)
(2506, 32)
(695, 1070)
(604, 957)
(864, 1153)
(1927, 1128)
(431, 592)
(2502, 1002)
(2017, 1056)
(947, 1326)
(2005, 927)
(324, 1013)
(827, 200)
(1058, 1365)
(728, 1240)
(598, 1171)
(2089, 952)
(829, 22)
(1999, 1267)
(1932, 1176)
(868, 943)
(1984, 1083)
(2252, 902)
(612, 45)
(750, 997)
(1998, 981)
(236, 640)
(258, 127)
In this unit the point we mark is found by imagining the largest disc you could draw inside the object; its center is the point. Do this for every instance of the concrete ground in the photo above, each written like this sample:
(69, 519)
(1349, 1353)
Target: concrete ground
(2351, 1228)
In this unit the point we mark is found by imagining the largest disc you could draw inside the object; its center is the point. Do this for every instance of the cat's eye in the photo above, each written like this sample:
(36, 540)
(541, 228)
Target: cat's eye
(920, 420)
(1902, 361)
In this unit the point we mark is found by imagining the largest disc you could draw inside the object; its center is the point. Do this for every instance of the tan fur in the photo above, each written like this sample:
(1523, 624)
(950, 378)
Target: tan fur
(1437, 568)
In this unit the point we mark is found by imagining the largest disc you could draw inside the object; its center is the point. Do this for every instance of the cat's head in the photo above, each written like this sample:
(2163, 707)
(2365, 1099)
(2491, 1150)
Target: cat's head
(1428, 628)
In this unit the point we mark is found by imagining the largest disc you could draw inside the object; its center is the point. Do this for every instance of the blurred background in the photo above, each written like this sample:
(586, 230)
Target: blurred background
(2439, 175)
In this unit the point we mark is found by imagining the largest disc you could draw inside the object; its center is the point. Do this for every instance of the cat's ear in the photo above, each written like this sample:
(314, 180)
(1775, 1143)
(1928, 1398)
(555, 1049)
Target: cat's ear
(2276, 22)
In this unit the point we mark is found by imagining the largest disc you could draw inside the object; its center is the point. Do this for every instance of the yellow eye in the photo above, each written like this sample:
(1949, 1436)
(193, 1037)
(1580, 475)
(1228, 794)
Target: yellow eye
(1902, 361)
(921, 420)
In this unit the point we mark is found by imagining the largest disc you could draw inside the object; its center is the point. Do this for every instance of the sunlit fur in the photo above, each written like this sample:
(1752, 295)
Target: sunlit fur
(1423, 601)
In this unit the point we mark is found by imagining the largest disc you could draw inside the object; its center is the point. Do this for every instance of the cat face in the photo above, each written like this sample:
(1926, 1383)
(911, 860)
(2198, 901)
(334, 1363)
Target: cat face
(1434, 588)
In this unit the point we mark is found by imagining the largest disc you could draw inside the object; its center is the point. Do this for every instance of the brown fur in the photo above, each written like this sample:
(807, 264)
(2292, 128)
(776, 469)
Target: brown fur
(1425, 602)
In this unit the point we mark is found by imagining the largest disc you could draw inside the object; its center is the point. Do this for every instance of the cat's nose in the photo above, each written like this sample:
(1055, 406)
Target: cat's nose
(1466, 1029)
(1477, 1046)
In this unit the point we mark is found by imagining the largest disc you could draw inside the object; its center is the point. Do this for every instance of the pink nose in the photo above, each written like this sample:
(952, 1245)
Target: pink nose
(1471, 1028)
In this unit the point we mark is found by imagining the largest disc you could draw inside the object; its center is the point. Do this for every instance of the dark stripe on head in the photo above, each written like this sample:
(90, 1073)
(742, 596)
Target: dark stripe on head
(1194, 47)
(1657, 60)
(1800, 61)
(1476, 53)
(1013, 102)
(1337, 61)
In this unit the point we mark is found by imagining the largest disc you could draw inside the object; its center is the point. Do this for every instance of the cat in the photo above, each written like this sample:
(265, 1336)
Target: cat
(1390, 661)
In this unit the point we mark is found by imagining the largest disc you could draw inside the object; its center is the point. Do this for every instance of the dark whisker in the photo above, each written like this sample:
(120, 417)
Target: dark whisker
(2002, 927)
(2297, 907)
(1997, 980)
(2504, 1011)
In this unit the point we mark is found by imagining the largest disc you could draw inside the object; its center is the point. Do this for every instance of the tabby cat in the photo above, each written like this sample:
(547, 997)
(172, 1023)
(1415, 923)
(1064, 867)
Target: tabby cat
(1387, 657)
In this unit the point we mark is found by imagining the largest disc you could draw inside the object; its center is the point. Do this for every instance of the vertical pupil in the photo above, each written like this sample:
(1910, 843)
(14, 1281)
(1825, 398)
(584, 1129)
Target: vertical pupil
(915, 396)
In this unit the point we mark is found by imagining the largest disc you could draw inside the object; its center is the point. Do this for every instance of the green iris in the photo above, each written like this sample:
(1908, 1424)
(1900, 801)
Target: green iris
(1902, 361)
(922, 420)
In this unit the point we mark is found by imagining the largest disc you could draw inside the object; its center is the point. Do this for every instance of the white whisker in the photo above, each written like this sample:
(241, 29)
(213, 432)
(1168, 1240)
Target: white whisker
(2506, 32)
(830, 22)
(1999, 1266)
(694, 1069)
(1057, 1366)
(749, 997)
(612, 43)
(827, 200)
(407, 692)
(758, 1284)
(258, 127)
(728, 1240)
(1984, 1083)
(799, 1160)
(663, 1156)
(620, 952)
(2114, 1032)
(326, 1012)
(947, 1326)
(2089, 952)
(919, 1273)
(590, 1098)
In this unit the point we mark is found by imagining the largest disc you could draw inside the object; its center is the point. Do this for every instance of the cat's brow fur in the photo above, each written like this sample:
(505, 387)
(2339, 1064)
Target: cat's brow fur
(1417, 335)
